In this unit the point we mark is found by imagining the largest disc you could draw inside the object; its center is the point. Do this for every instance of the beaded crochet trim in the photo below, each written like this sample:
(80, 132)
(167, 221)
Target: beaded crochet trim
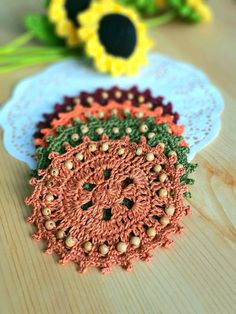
(116, 128)
(121, 110)
(107, 202)
(102, 96)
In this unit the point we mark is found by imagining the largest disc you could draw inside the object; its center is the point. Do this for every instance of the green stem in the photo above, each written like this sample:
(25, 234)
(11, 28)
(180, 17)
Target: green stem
(18, 42)
(29, 50)
(29, 56)
(18, 66)
(38, 58)
(161, 19)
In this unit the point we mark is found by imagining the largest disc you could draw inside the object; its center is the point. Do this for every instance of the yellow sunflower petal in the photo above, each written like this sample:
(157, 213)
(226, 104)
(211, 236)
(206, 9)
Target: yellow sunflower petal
(64, 27)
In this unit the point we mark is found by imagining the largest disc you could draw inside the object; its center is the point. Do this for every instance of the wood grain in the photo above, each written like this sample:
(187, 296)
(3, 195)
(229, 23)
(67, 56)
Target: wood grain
(198, 274)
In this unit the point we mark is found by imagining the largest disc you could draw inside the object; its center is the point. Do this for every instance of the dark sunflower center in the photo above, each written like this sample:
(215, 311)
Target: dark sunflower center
(118, 35)
(73, 7)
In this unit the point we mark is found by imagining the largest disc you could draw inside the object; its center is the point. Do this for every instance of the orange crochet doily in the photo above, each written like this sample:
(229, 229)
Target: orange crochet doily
(107, 203)
(103, 112)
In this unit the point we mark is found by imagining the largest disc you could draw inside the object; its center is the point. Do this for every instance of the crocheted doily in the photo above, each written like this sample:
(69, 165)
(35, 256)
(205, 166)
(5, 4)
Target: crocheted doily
(108, 202)
(102, 97)
(121, 110)
(116, 128)
(193, 96)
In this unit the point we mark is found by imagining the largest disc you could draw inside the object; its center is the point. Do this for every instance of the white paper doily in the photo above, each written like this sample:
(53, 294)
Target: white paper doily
(193, 96)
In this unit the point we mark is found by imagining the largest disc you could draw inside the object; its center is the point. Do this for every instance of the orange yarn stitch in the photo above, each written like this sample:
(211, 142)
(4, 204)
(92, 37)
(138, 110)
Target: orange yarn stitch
(107, 203)
(80, 112)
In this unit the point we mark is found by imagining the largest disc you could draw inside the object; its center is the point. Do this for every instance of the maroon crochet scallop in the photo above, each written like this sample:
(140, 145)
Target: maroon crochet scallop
(106, 203)
(102, 96)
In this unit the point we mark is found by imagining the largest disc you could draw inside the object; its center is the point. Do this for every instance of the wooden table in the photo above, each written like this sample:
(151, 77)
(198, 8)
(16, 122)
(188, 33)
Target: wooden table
(198, 274)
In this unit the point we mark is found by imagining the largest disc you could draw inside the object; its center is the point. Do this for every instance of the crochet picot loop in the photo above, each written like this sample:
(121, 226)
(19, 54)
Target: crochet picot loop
(121, 110)
(102, 97)
(108, 202)
(116, 128)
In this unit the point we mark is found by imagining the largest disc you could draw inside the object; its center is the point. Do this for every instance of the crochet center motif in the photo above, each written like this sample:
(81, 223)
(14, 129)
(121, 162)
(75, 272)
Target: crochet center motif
(107, 202)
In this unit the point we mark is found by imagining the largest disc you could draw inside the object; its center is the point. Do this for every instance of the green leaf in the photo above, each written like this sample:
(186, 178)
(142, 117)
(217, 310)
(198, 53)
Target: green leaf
(42, 29)
(46, 3)
(146, 7)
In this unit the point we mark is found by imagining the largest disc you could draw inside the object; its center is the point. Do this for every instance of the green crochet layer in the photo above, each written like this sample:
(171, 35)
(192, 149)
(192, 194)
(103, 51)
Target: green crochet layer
(161, 136)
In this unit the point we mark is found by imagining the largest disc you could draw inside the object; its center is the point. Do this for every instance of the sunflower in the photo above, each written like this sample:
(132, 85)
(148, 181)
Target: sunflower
(114, 37)
(64, 15)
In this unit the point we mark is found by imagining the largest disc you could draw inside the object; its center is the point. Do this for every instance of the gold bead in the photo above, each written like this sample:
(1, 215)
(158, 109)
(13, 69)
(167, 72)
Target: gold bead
(130, 96)
(141, 99)
(75, 137)
(50, 224)
(118, 94)
(77, 100)
(128, 130)
(49, 198)
(157, 168)
(151, 135)
(84, 129)
(79, 156)
(114, 111)
(150, 157)
(105, 95)
(170, 210)
(115, 130)
(139, 151)
(90, 99)
(60, 234)
(151, 232)
(121, 247)
(68, 164)
(70, 242)
(101, 114)
(87, 246)
(126, 111)
(162, 177)
(164, 221)
(99, 131)
(92, 148)
(172, 153)
(162, 145)
(139, 114)
(143, 128)
(179, 166)
(65, 144)
(149, 105)
(49, 184)
(135, 241)
(68, 108)
(105, 147)
(103, 249)
(162, 192)
(121, 151)
(46, 211)
(54, 172)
